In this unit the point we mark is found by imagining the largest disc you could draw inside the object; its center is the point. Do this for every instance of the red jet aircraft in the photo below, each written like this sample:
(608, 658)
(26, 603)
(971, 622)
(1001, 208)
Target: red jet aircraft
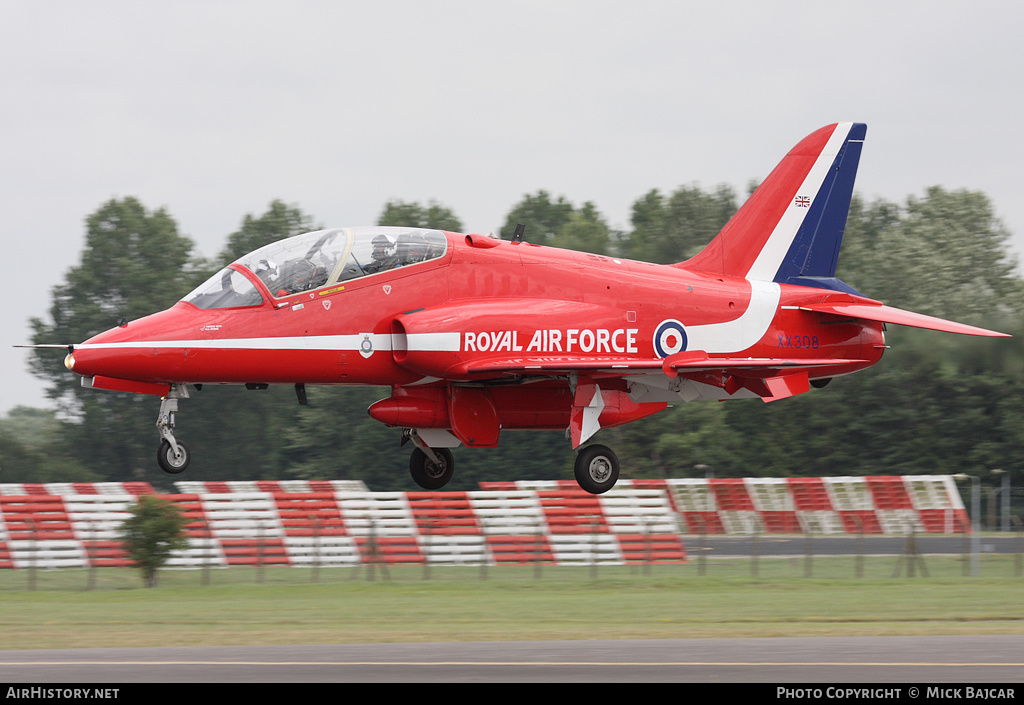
(476, 335)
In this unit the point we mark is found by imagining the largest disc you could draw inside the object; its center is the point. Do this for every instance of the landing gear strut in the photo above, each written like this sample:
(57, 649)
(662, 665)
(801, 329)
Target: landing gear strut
(597, 469)
(173, 455)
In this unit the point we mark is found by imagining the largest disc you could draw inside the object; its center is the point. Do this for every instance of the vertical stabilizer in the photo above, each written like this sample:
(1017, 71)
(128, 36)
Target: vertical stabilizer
(791, 227)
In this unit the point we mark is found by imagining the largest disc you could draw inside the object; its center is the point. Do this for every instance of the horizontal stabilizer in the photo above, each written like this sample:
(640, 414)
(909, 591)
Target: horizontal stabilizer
(890, 314)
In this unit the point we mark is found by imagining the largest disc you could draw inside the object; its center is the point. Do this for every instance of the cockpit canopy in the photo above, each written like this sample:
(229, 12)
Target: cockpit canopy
(316, 260)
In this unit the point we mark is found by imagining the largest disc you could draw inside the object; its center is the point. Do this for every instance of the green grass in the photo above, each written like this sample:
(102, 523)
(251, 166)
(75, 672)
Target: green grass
(508, 603)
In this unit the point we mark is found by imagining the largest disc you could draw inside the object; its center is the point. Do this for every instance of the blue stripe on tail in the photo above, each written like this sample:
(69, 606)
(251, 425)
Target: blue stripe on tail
(811, 259)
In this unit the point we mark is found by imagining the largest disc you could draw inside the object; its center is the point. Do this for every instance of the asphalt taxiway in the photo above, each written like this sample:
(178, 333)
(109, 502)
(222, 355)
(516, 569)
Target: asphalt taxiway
(914, 661)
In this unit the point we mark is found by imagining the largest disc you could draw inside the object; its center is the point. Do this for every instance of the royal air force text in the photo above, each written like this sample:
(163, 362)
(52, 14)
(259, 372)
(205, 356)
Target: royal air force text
(599, 340)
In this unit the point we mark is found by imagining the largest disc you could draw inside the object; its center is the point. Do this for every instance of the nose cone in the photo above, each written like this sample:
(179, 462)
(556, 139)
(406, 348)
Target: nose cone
(149, 349)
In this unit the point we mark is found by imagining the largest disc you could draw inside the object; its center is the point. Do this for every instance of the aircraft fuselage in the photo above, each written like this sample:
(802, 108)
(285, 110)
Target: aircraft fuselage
(455, 318)
(476, 335)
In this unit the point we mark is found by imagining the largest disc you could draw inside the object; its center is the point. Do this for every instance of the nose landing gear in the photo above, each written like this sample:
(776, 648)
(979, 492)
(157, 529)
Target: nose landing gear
(173, 456)
(173, 460)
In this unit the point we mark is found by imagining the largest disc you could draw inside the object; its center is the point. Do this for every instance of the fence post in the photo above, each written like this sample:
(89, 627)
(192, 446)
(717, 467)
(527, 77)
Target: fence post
(382, 558)
(648, 547)
(90, 546)
(259, 551)
(910, 556)
(966, 546)
(1019, 541)
(371, 552)
(483, 556)
(33, 553)
(809, 553)
(919, 557)
(207, 553)
(755, 552)
(315, 574)
(538, 550)
(858, 569)
(702, 554)
(428, 526)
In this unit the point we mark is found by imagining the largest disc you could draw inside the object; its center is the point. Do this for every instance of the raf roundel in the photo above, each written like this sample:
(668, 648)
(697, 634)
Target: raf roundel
(669, 338)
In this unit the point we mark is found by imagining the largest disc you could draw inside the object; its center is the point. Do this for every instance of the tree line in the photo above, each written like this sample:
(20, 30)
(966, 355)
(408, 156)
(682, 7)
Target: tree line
(935, 404)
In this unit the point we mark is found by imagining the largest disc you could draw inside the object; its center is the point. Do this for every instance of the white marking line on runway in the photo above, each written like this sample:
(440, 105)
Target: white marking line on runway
(628, 664)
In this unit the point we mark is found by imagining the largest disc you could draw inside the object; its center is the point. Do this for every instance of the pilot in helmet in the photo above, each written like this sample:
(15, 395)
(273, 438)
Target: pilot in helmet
(411, 248)
(383, 254)
(267, 271)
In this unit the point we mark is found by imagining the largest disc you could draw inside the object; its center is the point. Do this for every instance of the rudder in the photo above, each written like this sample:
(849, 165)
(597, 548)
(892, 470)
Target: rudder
(791, 228)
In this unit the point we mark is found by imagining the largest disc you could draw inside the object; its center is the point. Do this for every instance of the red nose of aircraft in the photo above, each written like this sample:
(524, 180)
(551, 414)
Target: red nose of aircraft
(150, 349)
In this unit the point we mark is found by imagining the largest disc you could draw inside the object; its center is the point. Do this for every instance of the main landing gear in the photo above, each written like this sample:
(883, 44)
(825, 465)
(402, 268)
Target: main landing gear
(596, 469)
(173, 455)
(431, 468)
(431, 473)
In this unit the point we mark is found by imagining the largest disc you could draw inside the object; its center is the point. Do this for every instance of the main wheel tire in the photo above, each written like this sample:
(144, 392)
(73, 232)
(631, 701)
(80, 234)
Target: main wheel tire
(597, 469)
(171, 463)
(428, 474)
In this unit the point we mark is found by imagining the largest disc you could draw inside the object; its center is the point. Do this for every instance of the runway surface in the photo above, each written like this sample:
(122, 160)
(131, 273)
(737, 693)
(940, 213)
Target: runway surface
(803, 662)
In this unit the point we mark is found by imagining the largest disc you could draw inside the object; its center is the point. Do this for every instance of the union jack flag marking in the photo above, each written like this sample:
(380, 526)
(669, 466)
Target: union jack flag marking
(802, 202)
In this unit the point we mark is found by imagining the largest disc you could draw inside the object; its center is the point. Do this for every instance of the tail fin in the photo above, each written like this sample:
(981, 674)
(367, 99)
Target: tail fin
(791, 227)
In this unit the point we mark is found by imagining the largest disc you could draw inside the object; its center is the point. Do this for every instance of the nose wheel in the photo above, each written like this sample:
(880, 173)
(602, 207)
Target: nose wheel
(173, 456)
(173, 461)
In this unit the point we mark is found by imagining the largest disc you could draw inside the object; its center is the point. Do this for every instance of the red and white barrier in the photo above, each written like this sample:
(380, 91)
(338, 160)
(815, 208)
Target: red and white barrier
(887, 504)
(342, 523)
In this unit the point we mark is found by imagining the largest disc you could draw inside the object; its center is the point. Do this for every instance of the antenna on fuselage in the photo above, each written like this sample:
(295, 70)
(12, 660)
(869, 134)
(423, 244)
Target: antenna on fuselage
(517, 236)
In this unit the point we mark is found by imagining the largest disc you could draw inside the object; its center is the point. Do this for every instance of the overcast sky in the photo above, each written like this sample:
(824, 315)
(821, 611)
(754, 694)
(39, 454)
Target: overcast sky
(213, 109)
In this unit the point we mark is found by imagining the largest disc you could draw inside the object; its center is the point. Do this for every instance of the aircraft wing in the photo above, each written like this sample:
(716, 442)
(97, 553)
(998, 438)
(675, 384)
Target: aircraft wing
(689, 361)
(889, 314)
(769, 378)
(561, 364)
